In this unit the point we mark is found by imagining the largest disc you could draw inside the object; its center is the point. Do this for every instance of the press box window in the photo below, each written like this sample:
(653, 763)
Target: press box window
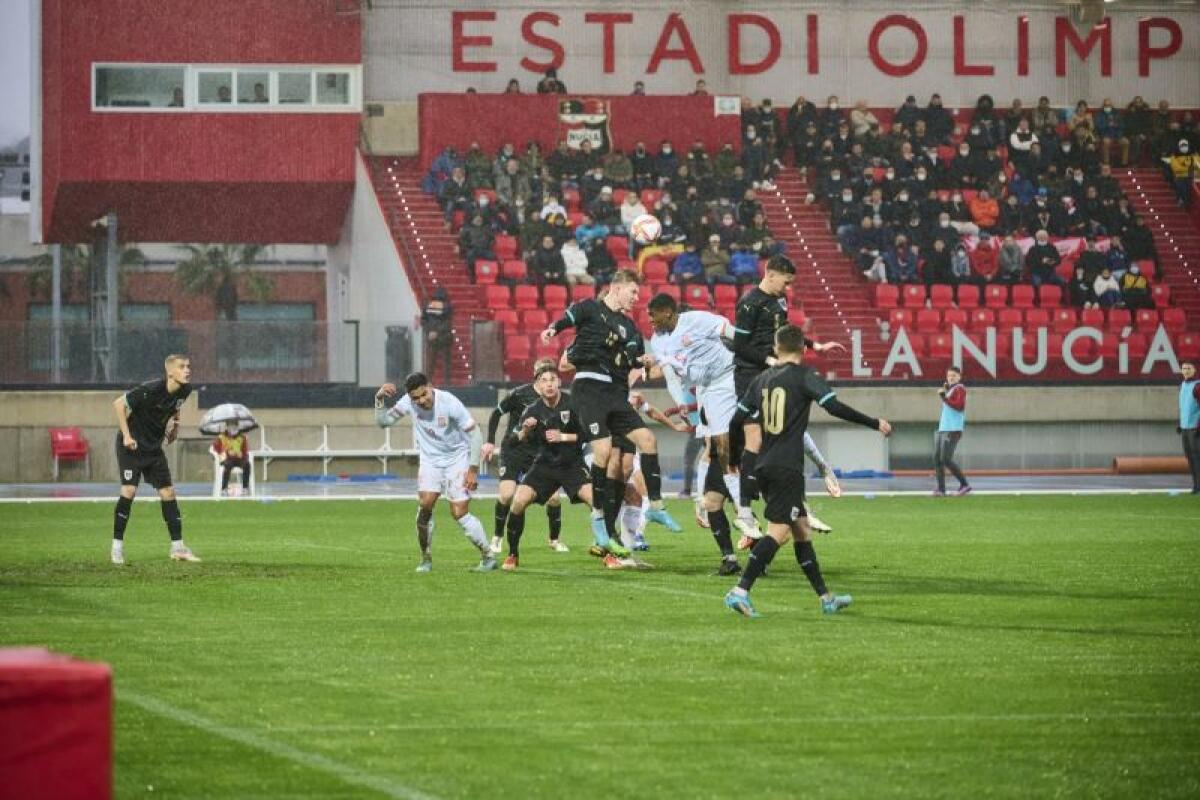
(140, 87)
(215, 88)
(333, 88)
(295, 88)
(253, 87)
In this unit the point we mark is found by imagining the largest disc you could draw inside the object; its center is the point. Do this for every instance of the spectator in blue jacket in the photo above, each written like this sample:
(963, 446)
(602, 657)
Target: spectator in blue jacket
(439, 171)
(1110, 131)
(687, 267)
(743, 266)
(900, 262)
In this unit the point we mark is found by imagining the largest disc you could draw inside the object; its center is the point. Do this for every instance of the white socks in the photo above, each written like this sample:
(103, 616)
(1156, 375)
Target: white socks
(632, 520)
(473, 528)
(734, 487)
(701, 476)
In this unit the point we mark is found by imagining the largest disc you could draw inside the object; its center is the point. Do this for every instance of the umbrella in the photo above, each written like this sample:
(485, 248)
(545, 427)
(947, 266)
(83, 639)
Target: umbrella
(215, 419)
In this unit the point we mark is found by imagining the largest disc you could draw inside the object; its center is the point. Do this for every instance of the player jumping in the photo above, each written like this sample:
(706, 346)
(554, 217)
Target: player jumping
(450, 444)
(146, 415)
(778, 404)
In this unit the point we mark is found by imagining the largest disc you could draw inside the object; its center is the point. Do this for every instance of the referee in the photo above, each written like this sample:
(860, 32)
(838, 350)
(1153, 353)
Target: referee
(146, 415)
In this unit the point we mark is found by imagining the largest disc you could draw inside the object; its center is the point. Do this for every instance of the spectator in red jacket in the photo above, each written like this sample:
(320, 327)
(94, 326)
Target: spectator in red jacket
(985, 258)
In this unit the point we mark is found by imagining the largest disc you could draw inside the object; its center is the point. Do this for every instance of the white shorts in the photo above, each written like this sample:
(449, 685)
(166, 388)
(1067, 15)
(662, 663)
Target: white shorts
(449, 482)
(719, 402)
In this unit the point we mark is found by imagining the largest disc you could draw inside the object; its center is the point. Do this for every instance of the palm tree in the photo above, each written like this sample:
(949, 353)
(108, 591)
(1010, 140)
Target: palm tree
(77, 269)
(214, 270)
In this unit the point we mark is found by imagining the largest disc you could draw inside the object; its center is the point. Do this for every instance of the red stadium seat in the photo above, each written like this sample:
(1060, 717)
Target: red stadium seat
(534, 320)
(1139, 345)
(650, 197)
(1084, 348)
(69, 444)
(574, 219)
(1007, 319)
(919, 344)
(1187, 345)
(1022, 296)
(1037, 318)
(518, 347)
(617, 247)
(1091, 318)
(913, 295)
(581, 291)
(554, 297)
(514, 270)
(570, 199)
(1147, 319)
(968, 296)
(900, 318)
(509, 319)
(655, 270)
(619, 195)
(696, 295)
(1174, 319)
(1054, 347)
(995, 296)
(1119, 318)
(886, 295)
(526, 297)
(1065, 319)
(1161, 294)
(1049, 296)
(498, 297)
(490, 194)
(929, 320)
(726, 295)
(982, 319)
(954, 318)
(505, 247)
(941, 347)
(547, 350)
(1109, 345)
(486, 272)
(625, 263)
(669, 289)
(941, 295)
(797, 317)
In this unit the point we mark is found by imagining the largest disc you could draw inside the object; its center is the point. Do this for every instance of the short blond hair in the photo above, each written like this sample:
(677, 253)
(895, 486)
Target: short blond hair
(174, 358)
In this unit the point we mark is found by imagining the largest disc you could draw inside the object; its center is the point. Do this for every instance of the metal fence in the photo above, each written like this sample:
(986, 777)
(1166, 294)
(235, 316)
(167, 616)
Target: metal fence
(221, 352)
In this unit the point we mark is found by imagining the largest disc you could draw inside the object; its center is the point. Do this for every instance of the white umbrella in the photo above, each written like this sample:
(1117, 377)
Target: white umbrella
(216, 418)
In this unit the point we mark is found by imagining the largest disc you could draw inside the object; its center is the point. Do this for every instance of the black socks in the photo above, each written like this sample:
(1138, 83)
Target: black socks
(501, 518)
(653, 475)
(721, 531)
(748, 484)
(121, 516)
(516, 527)
(170, 515)
(760, 557)
(806, 557)
(554, 515)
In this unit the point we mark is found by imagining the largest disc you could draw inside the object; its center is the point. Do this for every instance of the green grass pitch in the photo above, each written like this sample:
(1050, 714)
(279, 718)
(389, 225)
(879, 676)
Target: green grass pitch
(997, 647)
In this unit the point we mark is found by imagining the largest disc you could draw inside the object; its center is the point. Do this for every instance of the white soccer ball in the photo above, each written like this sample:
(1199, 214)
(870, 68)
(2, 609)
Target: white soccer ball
(645, 229)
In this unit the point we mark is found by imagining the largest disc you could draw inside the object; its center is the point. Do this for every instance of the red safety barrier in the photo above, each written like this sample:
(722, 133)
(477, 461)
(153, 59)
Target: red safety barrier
(55, 727)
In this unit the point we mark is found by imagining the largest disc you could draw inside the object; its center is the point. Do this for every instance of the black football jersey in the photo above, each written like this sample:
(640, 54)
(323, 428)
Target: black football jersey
(512, 406)
(606, 341)
(151, 407)
(780, 400)
(759, 315)
(562, 417)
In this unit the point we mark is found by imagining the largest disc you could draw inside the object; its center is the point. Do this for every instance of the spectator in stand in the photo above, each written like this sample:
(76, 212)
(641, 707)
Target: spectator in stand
(437, 320)
(935, 268)
(730, 232)
(985, 259)
(665, 205)
(590, 234)
(802, 132)
(1071, 221)
(440, 171)
(531, 234)
(1016, 112)
(899, 263)
(1107, 290)
(870, 240)
(1139, 245)
(618, 168)
(1185, 167)
(590, 185)
(908, 113)
(631, 209)
(1010, 215)
(902, 208)
(743, 267)
(1110, 131)
(455, 195)
(1042, 260)
(862, 121)
(547, 266)
(575, 264)
(830, 117)
(550, 84)
(681, 181)
(755, 234)
(644, 176)
(479, 168)
(749, 207)
(950, 232)
(985, 211)
(551, 207)
(1039, 214)
(701, 89)
(605, 211)
(1138, 129)
(639, 88)
(1163, 128)
(1044, 116)
(833, 185)
(960, 269)
(699, 164)
(666, 163)
(1135, 289)
(757, 161)
(513, 87)
(845, 216)
(1019, 143)
(508, 152)
(1091, 259)
(513, 186)
(687, 267)
(990, 126)
(1082, 125)
(938, 121)
(532, 161)
(716, 263)
(919, 234)
(475, 242)
(586, 156)
(1081, 290)
(1116, 257)
(1011, 260)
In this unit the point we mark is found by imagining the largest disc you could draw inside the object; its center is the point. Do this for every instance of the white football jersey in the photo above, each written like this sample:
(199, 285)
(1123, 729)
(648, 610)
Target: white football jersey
(694, 349)
(441, 432)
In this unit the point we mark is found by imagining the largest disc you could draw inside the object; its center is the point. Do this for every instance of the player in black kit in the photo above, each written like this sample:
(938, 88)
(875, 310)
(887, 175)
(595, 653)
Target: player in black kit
(146, 415)
(551, 426)
(515, 458)
(606, 354)
(761, 312)
(778, 403)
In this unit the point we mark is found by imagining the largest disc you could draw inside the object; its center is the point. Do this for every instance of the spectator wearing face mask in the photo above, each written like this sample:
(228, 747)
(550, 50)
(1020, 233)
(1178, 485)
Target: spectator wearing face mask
(547, 266)
(1184, 166)
(687, 267)
(985, 261)
(475, 242)
(1020, 141)
(1116, 257)
(715, 260)
(960, 269)
(1042, 260)
(644, 172)
(831, 117)
(1110, 132)
(1107, 290)
(985, 211)
(1011, 262)
(1081, 289)
(899, 263)
(666, 164)
(1135, 289)
(937, 120)
(1138, 129)
(1010, 215)
(935, 268)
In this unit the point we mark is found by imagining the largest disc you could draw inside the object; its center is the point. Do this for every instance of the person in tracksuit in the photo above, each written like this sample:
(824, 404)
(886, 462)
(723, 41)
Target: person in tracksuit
(950, 430)
(1189, 420)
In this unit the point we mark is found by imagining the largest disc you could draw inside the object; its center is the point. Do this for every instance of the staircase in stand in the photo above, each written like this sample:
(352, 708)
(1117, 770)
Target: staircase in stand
(427, 251)
(1175, 236)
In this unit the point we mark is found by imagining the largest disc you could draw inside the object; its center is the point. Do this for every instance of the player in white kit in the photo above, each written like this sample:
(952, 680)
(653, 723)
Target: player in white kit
(449, 443)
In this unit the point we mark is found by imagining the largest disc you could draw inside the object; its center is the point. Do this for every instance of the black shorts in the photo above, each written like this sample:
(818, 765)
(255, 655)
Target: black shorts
(623, 444)
(604, 409)
(134, 465)
(515, 462)
(742, 378)
(545, 480)
(783, 490)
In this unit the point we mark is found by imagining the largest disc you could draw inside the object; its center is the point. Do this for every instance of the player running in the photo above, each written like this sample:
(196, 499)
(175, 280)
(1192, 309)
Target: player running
(449, 443)
(515, 459)
(146, 415)
(606, 354)
(778, 404)
(551, 427)
(760, 313)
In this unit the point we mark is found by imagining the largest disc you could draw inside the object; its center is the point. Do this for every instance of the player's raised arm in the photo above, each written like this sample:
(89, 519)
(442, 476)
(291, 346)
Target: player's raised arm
(827, 399)
(572, 317)
(385, 416)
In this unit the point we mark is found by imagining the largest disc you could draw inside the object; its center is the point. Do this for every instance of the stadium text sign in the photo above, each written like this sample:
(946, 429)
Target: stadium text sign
(902, 353)
(754, 42)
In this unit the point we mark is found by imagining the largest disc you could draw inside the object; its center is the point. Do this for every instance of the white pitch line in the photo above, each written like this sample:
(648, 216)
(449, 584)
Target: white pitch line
(275, 748)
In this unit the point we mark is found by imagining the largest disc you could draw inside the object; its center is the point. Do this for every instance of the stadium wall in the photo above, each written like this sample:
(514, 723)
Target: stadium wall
(869, 50)
(1031, 427)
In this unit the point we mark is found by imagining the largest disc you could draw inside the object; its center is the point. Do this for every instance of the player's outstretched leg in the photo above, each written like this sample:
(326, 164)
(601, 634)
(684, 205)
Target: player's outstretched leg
(806, 557)
(425, 536)
(472, 528)
(738, 598)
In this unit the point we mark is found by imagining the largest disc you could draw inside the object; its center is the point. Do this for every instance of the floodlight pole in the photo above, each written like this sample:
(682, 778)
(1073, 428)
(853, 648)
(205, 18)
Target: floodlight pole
(110, 305)
(55, 313)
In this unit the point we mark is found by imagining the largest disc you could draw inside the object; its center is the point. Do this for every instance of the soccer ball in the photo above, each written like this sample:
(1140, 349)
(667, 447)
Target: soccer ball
(645, 229)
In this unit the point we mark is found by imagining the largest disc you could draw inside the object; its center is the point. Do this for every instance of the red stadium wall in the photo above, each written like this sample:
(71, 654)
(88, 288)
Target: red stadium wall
(493, 119)
(193, 176)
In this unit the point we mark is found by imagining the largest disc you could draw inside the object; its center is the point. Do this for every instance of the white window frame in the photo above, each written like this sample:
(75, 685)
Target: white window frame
(192, 105)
